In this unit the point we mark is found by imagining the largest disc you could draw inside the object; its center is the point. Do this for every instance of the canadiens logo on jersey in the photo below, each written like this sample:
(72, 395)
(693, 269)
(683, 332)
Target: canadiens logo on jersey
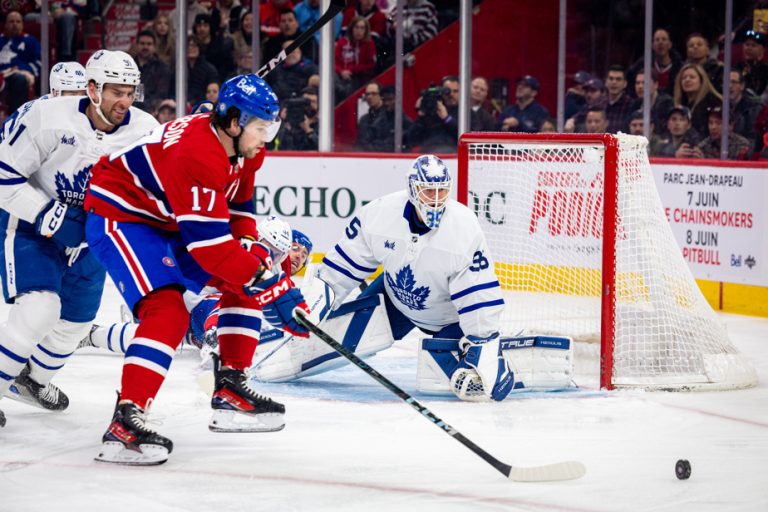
(73, 193)
(404, 289)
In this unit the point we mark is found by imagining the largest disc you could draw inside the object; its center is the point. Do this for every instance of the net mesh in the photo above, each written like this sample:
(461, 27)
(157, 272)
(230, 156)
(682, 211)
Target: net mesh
(540, 204)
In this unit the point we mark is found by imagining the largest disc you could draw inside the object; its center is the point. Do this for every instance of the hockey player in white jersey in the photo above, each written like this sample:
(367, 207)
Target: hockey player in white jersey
(67, 79)
(54, 284)
(438, 277)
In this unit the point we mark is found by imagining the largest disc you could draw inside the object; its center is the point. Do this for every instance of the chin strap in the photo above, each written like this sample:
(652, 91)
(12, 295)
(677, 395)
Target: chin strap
(97, 106)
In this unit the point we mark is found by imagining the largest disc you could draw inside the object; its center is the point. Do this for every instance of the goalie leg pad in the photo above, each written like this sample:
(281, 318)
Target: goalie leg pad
(540, 363)
(361, 324)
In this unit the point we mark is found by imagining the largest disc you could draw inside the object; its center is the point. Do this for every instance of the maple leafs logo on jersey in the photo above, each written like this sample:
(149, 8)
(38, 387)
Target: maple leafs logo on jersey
(73, 194)
(403, 287)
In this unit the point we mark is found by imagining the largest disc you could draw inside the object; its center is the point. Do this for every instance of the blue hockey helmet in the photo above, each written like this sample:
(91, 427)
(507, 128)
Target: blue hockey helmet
(429, 185)
(298, 258)
(301, 238)
(253, 98)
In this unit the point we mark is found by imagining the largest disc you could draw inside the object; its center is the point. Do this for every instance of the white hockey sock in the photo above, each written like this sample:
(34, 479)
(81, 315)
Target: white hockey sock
(115, 337)
(51, 354)
(31, 317)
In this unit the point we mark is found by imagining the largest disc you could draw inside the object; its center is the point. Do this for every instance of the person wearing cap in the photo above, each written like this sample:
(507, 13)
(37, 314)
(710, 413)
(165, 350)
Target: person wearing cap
(574, 97)
(166, 111)
(665, 61)
(754, 69)
(155, 74)
(527, 114)
(739, 148)
(661, 102)
(217, 48)
(594, 95)
(679, 140)
(619, 103)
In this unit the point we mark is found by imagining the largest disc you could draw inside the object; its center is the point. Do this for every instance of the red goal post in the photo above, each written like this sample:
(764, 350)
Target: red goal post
(583, 249)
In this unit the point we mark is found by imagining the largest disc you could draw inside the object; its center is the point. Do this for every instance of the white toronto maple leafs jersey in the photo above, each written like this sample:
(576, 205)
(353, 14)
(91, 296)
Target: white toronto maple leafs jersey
(435, 279)
(50, 146)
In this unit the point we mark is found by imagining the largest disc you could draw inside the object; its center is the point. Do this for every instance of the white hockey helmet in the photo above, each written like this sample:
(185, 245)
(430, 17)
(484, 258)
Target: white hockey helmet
(113, 67)
(429, 185)
(276, 234)
(67, 76)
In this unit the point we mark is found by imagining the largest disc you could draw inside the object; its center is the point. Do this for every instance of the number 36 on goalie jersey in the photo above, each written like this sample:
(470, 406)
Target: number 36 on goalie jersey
(435, 279)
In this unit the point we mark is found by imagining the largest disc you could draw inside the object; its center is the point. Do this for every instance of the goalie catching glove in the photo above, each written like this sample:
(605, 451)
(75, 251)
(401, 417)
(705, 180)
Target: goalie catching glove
(482, 372)
(278, 298)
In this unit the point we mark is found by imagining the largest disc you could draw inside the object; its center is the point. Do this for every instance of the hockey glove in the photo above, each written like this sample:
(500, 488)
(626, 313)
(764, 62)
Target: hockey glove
(482, 372)
(277, 297)
(65, 224)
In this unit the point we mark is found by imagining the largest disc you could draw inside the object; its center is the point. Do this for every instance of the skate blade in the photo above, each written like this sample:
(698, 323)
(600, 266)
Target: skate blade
(236, 421)
(116, 453)
(15, 394)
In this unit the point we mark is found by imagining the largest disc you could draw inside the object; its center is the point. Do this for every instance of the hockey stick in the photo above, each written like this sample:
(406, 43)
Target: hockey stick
(568, 470)
(335, 8)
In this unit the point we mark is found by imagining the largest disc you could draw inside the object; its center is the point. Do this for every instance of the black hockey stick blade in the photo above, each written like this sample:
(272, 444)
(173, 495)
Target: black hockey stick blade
(335, 8)
(568, 470)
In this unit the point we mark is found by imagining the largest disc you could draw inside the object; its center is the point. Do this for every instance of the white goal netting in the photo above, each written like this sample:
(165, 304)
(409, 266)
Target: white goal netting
(540, 203)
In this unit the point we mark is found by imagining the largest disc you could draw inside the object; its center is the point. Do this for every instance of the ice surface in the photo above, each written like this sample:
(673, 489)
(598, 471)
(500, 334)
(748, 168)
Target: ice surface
(350, 445)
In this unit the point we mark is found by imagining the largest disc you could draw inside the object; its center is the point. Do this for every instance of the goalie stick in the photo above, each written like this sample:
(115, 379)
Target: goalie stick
(567, 470)
(335, 8)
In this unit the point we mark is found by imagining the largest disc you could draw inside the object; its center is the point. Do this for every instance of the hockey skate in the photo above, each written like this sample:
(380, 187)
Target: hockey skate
(237, 408)
(2, 419)
(88, 340)
(26, 390)
(128, 441)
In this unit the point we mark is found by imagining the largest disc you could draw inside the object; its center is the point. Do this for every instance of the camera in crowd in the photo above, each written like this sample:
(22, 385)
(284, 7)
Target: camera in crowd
(429, 98)
(296, 109)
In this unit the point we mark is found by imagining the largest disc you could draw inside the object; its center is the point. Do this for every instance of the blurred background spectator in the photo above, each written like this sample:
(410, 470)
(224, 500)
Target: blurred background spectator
(619, 103)
(527, 114)
(574, 96)
(298, 131)
(165, 39)
(290, 77)
(155, 75)
(739, 148)
(680, 140)
(165, 111)
(481, 120)
(596, 120)
(694, 91)
(666, 61)
(698, 52)
(355, 57)
(661, 102)
(19, 61)
(242, 38)
(419, 23)
(217, 48)
(200, 72)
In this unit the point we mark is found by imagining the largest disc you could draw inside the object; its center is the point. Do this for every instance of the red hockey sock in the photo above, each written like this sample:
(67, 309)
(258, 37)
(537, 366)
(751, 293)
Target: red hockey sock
(238, 330)
(163, 321)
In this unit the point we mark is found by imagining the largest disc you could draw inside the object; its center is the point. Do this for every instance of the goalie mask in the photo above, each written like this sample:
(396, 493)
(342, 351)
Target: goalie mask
(275, 233)
(429, 186)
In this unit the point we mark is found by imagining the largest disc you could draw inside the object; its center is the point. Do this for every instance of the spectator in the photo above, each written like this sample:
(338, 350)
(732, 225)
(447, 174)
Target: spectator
(290, 77)
(665, 61)
(225, 17)
(194, 7)
(596, 120)
(480, 119)
(745, 107)
(739, 148)
(368, 9)
(355, 57)
(242, 39)
(165, 111)
(694, 91)
(308, 12)
(244, 63)
(366, 126)
(680, 140)
(65, 16)
(385, 130)
(298, 131)
(635, 123)
(419, 23)
(549, 126)
(165, 39)
(754, 69)
(289, 29)
(212, 91)
(269, 16)
(697, 52)
(661, 102)
(200, 72)
(19, 60)
(435, 129)
(155, 75)
(619, 103)
(527, 114)
(218, 49)
(574, 97)
(594, 94)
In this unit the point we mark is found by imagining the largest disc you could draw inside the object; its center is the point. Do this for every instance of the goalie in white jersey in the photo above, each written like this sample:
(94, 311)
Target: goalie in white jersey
(438, 277)
(46, 154)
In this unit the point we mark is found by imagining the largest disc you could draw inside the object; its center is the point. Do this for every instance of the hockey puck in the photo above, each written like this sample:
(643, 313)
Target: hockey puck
(683, 469)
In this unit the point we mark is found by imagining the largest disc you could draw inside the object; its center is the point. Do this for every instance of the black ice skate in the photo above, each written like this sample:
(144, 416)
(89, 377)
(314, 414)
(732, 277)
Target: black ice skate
(237, 408)
(88, 340)
(27, 391)
(128, 441)
(2, 419)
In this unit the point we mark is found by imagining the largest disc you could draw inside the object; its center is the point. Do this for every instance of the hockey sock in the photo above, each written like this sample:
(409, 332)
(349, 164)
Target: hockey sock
(163, 323)
(31, 317)
(51, 354)
(238, 330)
(115, 337)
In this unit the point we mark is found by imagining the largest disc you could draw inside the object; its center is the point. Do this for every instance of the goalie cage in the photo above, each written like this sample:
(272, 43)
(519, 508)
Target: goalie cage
(583, 249)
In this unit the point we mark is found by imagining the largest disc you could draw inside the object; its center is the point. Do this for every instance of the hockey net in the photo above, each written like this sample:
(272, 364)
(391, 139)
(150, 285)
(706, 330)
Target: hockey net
(583, 249)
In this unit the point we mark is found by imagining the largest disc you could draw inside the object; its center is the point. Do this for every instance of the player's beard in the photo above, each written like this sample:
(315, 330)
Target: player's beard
(114, 117)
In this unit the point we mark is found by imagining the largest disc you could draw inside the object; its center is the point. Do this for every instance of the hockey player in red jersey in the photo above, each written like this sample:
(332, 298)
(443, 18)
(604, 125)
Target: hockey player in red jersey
(174, 212)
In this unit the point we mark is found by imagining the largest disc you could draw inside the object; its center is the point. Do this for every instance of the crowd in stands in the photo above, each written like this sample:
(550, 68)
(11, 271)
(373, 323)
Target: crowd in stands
(686, 90)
